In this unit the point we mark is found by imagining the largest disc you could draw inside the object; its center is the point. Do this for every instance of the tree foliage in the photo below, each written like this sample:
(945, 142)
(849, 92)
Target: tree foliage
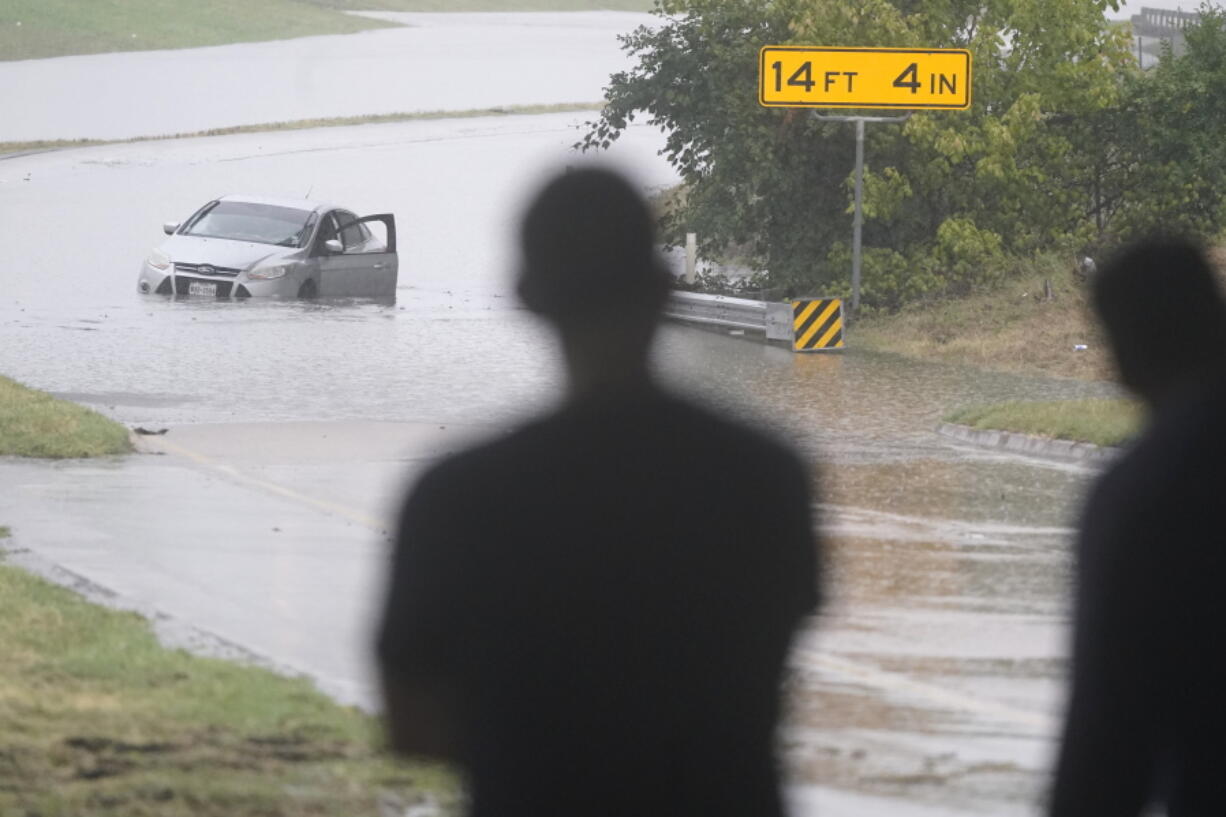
(1169, 136)
(1067, 143)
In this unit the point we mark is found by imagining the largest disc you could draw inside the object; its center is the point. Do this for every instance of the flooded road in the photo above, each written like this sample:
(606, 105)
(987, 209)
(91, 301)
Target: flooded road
(75, 324)
(929, 686)
(435, 62)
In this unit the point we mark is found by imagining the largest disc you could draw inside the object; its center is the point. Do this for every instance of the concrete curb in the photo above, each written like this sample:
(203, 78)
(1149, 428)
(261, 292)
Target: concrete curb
(1029, 444)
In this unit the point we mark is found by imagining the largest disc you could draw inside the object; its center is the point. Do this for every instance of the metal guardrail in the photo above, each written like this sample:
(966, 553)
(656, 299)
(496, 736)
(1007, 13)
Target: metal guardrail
(772, 320)
(717, 310)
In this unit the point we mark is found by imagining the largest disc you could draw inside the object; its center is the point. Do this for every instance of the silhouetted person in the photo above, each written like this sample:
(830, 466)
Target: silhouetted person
(1147, 716)
(591, 615)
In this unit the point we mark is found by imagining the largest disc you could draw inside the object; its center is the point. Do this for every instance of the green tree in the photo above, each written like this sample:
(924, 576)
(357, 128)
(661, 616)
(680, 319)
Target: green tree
(946, 195)
(1171, 168)
(752, 176)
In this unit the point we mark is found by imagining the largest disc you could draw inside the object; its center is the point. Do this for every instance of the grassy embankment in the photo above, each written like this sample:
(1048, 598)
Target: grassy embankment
(1015, 327)
(304, 124)
(96, 718)
(1101, 422)
(1011, 327)
(34, 29)
(35, 424)
(487, 5)
(56, 28)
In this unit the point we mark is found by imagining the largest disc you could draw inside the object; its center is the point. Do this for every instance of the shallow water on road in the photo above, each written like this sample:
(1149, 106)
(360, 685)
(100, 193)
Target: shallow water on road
(454, 346)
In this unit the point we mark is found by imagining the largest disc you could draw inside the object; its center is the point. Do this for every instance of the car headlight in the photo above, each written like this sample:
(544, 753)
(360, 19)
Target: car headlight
(268, 273)
(158, 260)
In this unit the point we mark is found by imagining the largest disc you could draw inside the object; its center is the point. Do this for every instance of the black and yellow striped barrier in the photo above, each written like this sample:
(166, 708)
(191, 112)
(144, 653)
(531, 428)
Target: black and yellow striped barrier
(817, 324)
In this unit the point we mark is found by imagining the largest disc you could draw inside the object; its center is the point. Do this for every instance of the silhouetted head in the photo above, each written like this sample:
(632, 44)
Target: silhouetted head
(1164, 316)
(589, 252)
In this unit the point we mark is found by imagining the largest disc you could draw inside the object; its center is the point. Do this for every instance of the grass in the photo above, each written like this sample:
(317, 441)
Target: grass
(1013, 327)
(305, 124)
(97, 718)
(487, 5)
(36, 29)
(35, 424)
(33, 29)
(1098, 421)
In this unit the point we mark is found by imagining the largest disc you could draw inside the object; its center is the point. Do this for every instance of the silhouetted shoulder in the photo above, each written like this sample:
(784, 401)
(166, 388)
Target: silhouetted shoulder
(604, 599)
(1183, 447)
(1151, 617)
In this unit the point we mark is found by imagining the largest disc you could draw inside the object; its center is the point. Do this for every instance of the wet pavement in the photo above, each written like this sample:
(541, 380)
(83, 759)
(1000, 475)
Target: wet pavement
(270, 539)
(435, 62)
(929, 686)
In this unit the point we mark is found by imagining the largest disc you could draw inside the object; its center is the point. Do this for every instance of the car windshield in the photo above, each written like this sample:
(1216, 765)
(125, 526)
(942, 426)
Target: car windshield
(246, 221)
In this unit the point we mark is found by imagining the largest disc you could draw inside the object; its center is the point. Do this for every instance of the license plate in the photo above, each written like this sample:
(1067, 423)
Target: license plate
(201, 288)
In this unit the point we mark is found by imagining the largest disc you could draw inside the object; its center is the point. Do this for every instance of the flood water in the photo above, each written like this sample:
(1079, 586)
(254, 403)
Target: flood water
(933, 678)
(433, 62)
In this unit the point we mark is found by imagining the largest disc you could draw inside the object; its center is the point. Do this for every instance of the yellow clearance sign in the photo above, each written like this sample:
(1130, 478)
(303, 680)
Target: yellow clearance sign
(813, 77)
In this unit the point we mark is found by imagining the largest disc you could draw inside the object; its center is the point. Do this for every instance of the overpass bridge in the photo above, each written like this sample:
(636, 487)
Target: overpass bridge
(1152, 27)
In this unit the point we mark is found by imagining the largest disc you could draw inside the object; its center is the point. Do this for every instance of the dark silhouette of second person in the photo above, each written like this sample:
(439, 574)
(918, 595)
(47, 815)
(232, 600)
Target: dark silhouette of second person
(591, 616)
(1146, 722)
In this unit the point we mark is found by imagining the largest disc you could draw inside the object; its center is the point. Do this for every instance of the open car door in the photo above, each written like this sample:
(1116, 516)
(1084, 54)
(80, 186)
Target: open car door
(368, 267)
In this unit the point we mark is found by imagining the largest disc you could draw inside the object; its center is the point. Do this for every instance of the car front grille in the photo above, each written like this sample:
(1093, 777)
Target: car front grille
(207, 270)
(182, 285)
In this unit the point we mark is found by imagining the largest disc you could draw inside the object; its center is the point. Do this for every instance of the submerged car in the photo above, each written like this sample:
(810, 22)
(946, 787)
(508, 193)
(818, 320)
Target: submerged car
(244, 246)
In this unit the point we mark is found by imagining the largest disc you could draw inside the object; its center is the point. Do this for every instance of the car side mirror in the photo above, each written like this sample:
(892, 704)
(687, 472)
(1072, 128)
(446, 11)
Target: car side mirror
(170, 227)
(334, 246)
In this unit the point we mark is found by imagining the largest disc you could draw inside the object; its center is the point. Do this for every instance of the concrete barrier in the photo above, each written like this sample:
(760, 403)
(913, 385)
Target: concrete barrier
(1029, 444)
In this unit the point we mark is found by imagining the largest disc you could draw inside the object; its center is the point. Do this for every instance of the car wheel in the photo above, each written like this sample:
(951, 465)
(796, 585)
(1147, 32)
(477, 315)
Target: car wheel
(307, 290)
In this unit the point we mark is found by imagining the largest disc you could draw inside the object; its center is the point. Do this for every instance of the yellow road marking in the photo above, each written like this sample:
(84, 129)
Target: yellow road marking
(289, 493)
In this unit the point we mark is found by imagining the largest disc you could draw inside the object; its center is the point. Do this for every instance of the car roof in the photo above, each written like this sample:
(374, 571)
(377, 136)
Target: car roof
(304, 204)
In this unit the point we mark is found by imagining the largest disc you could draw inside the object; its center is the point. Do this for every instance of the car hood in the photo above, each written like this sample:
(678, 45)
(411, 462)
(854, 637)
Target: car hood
(221, 252)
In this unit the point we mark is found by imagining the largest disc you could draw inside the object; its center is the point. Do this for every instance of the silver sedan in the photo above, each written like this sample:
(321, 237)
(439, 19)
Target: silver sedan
(246, 246)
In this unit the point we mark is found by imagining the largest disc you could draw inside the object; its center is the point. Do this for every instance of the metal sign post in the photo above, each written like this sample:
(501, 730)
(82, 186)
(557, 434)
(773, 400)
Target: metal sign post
(798, 76)
(858, 220)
